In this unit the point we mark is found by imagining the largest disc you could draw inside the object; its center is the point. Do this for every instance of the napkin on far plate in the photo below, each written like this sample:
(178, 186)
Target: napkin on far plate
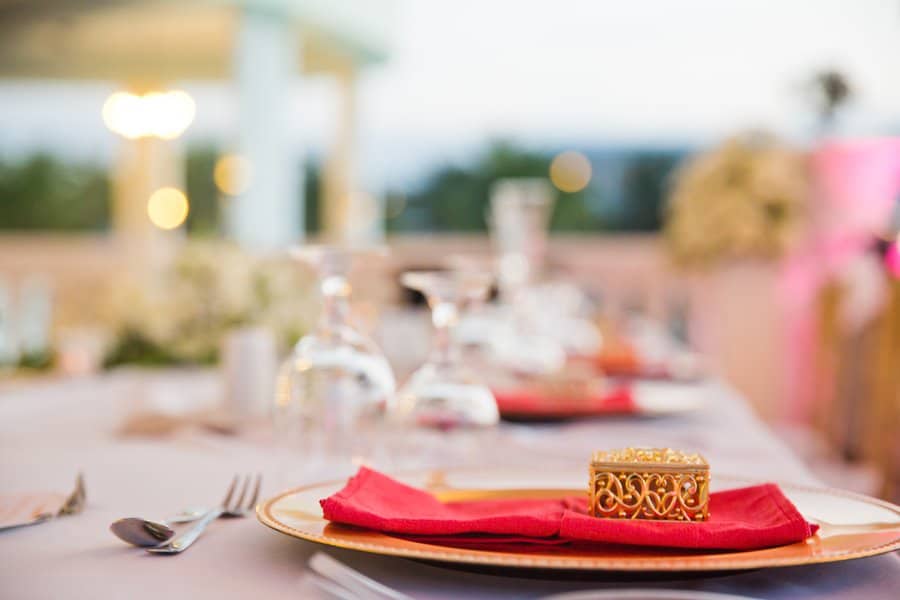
(533, 402)
(741, 519)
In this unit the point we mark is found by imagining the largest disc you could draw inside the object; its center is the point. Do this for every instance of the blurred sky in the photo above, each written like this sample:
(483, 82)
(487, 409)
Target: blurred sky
(548, 73)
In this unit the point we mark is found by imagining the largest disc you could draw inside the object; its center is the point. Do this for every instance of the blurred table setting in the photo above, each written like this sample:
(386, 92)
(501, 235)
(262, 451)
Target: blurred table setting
(393, 300)
(513, 394)
(52, 429)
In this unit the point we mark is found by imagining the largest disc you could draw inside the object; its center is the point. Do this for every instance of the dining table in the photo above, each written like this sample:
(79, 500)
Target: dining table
(53, 427)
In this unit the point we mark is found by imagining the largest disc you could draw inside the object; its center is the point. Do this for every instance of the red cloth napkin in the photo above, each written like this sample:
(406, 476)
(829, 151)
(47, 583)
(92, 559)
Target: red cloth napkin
(742, 519)
(533, 403)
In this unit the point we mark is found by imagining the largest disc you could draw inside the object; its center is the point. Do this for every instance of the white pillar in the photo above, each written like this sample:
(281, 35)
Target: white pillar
(143, 166)
(350, 215)
(267, 215)
(339, 174)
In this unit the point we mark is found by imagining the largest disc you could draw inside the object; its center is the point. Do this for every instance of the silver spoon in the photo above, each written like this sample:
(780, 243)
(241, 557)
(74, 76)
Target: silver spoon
(145, 533)
(140, 532)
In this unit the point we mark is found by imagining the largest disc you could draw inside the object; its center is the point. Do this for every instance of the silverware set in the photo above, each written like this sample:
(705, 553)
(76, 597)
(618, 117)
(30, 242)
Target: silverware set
(159, 538)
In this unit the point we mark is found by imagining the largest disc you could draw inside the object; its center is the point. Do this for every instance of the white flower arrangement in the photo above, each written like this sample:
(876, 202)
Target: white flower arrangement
(179, 316)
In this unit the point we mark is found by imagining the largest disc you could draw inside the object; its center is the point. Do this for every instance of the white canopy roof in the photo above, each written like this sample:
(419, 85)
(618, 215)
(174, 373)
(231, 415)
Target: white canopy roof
(163, 40)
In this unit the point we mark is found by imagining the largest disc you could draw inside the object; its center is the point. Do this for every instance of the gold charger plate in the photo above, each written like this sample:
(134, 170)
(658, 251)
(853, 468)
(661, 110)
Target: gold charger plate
(851, 526)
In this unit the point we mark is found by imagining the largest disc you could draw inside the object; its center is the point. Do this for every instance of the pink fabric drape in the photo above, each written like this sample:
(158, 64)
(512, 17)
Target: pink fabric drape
(855, 186)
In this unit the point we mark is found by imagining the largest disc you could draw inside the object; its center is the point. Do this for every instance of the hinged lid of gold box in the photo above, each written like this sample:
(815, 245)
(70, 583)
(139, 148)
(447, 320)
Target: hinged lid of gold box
(648, 458)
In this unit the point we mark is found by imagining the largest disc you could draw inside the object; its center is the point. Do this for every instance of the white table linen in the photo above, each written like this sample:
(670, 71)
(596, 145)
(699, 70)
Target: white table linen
(51, 429)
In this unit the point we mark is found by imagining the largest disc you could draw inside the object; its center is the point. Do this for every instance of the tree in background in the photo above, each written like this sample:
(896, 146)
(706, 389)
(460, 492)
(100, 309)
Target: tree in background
(42, 192)
(312, 219)
(206, 210)
(456, 198)
(644, 184)
(208, 204)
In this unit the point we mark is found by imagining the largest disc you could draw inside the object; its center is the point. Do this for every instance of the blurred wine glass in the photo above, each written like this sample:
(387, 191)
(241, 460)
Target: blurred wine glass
(519, 219)
(444, 393)
(336, 387)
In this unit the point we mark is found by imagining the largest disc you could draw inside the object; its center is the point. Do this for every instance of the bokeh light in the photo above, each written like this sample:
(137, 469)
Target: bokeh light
(570, 171)
(168, 114)
(232, 174)
(157, 114)
(167, 208)
(120, 113)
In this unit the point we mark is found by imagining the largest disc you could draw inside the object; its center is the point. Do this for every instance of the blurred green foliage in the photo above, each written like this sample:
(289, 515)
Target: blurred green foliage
(311, 188)
(42, 192)
(133, 348)
(206, 208)
(456, 198)
(645, 184)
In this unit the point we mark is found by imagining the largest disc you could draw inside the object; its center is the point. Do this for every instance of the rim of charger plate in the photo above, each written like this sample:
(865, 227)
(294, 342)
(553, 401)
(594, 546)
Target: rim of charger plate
(705, 562)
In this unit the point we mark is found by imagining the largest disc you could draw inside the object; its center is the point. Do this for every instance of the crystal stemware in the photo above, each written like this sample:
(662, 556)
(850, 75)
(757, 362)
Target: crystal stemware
(336, 387)
(444, 393)
(519, 218)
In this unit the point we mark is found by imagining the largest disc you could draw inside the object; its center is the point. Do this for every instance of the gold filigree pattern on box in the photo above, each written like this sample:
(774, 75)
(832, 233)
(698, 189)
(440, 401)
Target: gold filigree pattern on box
(649, 483)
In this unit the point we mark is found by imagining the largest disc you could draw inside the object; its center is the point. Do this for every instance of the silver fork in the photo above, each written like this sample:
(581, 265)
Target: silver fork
(229, 508)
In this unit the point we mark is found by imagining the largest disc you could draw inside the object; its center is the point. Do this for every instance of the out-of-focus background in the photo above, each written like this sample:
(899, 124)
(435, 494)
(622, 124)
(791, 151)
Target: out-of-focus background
(732, 164)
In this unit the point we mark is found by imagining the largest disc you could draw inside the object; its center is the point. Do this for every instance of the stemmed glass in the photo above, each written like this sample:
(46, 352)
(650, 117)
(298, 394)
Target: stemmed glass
(519, 219)
(336, 387)
(444, 393)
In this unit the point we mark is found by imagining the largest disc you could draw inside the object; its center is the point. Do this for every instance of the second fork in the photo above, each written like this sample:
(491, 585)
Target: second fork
(228, 508)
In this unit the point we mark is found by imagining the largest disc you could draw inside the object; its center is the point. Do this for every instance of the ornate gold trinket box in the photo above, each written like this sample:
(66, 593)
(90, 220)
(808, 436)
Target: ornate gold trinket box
(649, 483)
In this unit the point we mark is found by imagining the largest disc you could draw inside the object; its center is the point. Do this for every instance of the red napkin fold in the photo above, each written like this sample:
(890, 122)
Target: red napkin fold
(741, 519)
(534, 403)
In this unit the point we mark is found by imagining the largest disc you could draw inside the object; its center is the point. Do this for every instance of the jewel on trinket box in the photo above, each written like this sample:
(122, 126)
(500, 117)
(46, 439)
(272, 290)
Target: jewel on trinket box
(649, 483)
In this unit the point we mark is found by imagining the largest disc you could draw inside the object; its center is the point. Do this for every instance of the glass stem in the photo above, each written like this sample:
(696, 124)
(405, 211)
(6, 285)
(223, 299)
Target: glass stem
(444, 316)
(335, 291)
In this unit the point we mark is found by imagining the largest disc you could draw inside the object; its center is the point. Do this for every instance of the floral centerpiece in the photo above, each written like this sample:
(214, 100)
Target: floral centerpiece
(180, 315)
(744, 199)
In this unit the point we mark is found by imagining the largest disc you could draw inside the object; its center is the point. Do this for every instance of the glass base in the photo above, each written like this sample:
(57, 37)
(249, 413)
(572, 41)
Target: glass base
(333, 395)
(446, 399)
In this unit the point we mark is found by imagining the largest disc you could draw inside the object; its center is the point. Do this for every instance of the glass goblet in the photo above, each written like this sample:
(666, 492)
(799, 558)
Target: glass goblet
(336, 387)
(444, 393)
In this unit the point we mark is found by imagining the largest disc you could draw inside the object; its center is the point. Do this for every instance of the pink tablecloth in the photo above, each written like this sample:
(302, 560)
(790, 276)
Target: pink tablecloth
(50, 430)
